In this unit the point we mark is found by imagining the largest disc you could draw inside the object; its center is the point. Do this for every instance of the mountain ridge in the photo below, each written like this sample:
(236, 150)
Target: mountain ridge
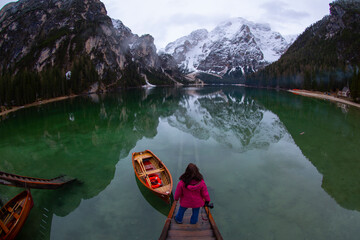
(233, 45)
(325, 57)
(43, 40)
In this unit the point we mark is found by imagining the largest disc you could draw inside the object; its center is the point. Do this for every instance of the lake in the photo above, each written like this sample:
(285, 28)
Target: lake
(277, 165)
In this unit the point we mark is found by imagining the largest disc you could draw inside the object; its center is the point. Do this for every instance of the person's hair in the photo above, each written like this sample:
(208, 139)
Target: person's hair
(191, 173)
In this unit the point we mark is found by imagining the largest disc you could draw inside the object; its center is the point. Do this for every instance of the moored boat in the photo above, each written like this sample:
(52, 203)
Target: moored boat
(10, 179)
(13, 215)
(153, 174)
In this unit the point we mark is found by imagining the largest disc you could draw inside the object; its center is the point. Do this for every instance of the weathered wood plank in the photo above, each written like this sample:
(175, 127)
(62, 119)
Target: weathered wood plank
(184, 233)
(202, 230)
(190, 227)
(168, 221)
(191, 238)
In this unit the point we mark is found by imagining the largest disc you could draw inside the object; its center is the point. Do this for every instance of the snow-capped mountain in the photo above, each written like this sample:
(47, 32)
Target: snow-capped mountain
(233, 45)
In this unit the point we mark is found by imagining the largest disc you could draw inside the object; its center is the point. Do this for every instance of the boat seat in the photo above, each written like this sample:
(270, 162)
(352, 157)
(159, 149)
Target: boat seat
(17, 205)
(16, 216)
(146, 156)
(152, 171)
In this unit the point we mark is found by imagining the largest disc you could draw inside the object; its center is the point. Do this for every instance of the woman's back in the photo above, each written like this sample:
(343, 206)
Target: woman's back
(193, 195)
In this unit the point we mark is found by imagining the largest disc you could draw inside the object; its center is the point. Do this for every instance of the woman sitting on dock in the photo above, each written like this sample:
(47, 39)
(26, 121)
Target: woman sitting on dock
(192, 191)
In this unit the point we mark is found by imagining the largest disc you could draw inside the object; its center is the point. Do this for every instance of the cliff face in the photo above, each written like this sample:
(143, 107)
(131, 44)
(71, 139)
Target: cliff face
(337, 31)
(343, 26)
(144, 51)
(41, 34)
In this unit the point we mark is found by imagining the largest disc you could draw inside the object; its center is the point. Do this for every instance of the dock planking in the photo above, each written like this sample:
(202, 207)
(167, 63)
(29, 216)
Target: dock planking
(204, 229)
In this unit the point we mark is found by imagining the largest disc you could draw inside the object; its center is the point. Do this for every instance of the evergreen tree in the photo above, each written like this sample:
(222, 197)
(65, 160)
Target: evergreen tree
(355, 85)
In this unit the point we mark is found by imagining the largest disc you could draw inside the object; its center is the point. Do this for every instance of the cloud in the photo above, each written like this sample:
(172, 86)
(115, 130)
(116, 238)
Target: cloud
(279, 11)
(181, 18)
(168, 29)
(4, 2)
(167, 20)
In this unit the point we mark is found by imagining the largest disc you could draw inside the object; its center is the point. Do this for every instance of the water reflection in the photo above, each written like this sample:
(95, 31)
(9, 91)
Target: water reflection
(231, 118)
(153, 200)
(86, 137)
(327, 136)
(78, 138)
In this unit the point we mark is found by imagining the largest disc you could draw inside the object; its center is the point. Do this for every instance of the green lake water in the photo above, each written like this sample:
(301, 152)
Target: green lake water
(277, 165)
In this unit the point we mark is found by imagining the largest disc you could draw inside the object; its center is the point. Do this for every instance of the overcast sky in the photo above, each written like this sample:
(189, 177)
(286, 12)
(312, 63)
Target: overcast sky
(167, 20)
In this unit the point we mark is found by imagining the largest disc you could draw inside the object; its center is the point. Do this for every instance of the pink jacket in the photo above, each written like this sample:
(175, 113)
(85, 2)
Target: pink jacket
(193, 195)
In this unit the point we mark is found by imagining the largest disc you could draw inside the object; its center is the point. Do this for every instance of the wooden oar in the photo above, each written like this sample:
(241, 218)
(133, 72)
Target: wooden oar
(139, 160)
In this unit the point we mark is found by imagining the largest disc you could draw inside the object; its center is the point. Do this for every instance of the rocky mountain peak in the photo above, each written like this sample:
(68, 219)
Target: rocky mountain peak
(46, 30)
(199, 34)
(144, 51)
(188, 41)
(234, 45)
(40, 36)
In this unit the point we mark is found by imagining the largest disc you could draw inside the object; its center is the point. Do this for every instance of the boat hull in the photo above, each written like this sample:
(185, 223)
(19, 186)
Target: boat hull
(159, 169)
(14, 214)
(30, 182)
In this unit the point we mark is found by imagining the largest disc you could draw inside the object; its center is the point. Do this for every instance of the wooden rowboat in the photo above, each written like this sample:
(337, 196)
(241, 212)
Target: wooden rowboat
(153, 174)
(205, 228)
(31, 182)
(13, 215)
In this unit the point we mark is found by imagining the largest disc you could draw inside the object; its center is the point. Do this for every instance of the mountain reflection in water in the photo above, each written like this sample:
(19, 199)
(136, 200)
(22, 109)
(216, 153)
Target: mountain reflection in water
(240, 133)
(328, 136)
(231, 118)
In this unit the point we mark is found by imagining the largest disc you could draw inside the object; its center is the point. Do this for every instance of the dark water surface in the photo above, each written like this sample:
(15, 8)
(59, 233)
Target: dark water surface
(277, 165)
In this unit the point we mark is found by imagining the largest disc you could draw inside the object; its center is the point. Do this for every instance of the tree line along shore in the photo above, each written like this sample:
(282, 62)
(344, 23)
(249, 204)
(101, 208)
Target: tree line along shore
(314, 94)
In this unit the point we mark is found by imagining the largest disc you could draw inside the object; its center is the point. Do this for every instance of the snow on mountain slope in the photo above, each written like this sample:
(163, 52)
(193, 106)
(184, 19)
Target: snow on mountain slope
(236, 44)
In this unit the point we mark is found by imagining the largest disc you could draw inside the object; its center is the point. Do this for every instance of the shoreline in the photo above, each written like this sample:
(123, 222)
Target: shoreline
(305, 93)
(321, 95)
(3, 113)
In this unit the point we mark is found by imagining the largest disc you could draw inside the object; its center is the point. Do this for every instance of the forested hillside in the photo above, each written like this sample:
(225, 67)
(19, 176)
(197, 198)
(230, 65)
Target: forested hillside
(325, 57)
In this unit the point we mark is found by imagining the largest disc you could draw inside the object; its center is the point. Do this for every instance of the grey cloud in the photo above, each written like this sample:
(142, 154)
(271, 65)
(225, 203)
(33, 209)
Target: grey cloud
(278, 10)
(195, 19)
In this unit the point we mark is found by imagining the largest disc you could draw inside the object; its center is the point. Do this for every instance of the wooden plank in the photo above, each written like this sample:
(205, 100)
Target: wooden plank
(168, 221)
(213, 225)
(2, 225)
(201, 230)
(144, 155)
(184, 233)
(204, 229)
(151, 172)
(191, 238)
(191, 227)
(16, 216)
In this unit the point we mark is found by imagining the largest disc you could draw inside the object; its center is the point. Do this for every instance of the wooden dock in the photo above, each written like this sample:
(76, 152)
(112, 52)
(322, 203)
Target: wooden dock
(204, 229)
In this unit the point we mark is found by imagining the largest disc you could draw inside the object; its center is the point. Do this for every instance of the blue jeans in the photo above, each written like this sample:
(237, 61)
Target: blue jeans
(194, 217)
